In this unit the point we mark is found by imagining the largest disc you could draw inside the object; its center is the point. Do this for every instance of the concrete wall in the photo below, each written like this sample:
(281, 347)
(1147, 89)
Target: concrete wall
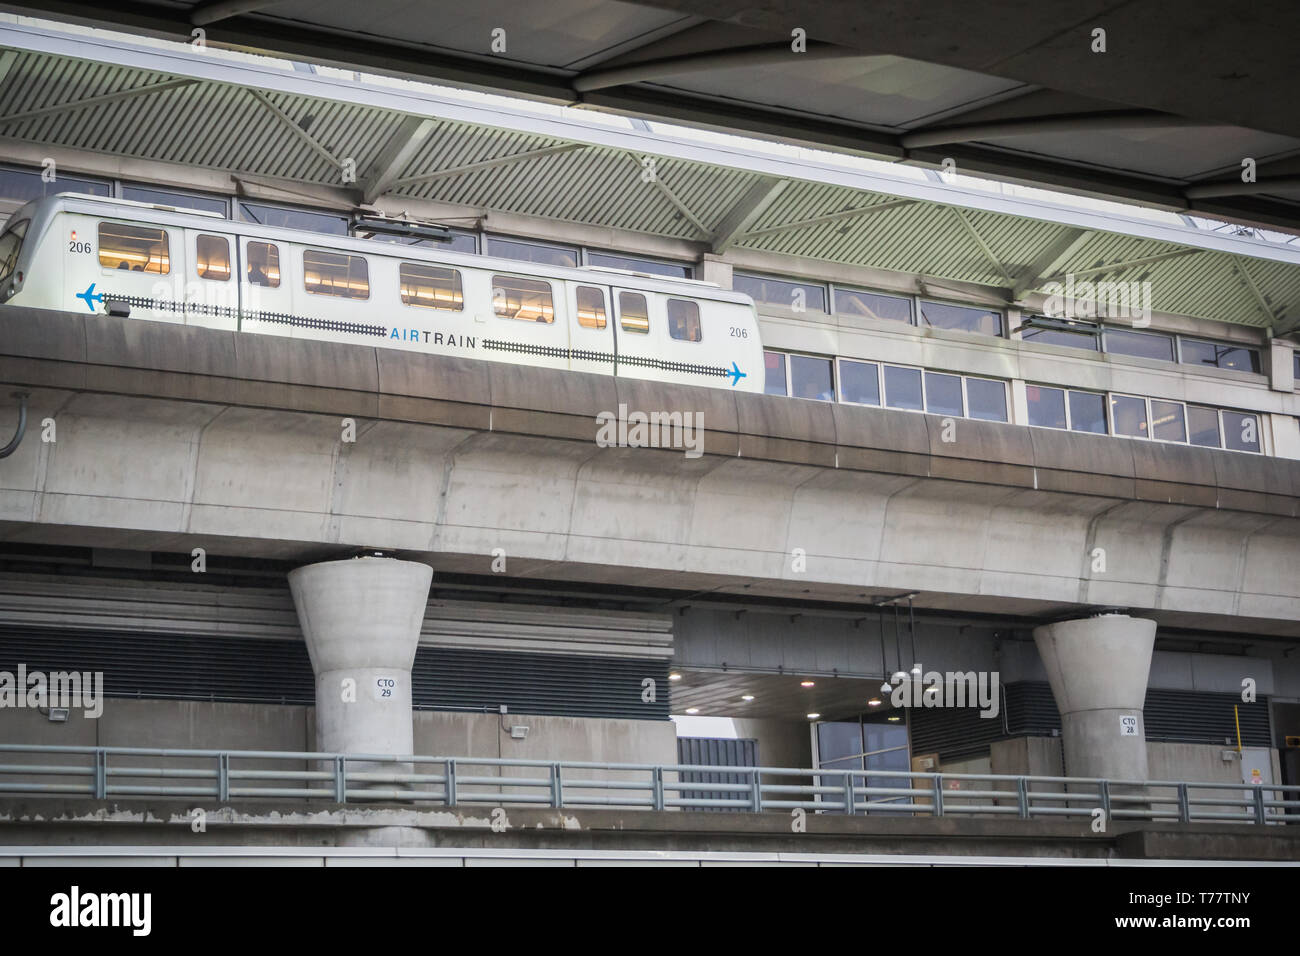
(781, 743)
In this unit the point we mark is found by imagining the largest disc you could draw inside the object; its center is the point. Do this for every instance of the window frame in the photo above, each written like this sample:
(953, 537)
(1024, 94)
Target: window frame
(230, 265)
(839, 382)
(605, 316)
(550, 287)
(699, 319)
(114, 270)
(337, 295)
(645, 299)
(827, 302)
(248, 265)
(1216, 343)
(460, 286)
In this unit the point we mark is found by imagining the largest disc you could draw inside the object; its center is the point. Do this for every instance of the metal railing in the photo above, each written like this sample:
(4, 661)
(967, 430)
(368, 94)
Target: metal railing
(104, 773)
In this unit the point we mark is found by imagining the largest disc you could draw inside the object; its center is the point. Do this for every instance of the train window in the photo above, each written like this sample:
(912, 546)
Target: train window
(774, 364)
(213, 259)
(431, 287)
(986, 399)
(1203, 426)
(633, 314)
(133, 248)
(333, 273)
(1167, 421)
(1046, 406)
(591, 307)
(684, 320)
(1129, 415)
(1241, 431)
(528, 300)
(263, 264)
(10, 243)
(859, 382)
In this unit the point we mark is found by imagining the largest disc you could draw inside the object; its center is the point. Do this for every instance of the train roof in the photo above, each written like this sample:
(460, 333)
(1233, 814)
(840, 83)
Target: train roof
(200, 219)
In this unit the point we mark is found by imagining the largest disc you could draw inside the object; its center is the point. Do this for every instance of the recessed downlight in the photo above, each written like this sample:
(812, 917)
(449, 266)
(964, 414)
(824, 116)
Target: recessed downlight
(807, 683)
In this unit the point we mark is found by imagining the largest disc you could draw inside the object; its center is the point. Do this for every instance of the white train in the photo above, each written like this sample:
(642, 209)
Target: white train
(79, 253)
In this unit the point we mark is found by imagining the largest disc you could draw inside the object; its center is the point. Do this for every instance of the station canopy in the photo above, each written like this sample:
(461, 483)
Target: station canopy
(370, 138)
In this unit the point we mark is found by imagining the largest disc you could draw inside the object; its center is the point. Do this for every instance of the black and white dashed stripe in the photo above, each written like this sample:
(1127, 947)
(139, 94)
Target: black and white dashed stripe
(637, 361)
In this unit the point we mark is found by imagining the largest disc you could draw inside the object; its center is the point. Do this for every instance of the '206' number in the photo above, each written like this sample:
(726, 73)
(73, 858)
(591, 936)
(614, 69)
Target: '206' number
(739, 333)
(75, 246)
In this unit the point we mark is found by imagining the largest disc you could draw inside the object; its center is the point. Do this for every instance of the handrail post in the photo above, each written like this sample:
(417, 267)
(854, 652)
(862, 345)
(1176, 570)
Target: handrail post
(1022, 797)
(101, 773)
(223, 777)
(849, 808)
(657, 776)
(449, 785)
(756, 791)
(557, 787)
(1184, 804)
(937, 785)
(1261, 812)
(340, 780)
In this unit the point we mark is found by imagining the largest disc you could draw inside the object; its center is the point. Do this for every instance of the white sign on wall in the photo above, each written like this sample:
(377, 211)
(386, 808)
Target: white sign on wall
(1128, 726)
(385, 688)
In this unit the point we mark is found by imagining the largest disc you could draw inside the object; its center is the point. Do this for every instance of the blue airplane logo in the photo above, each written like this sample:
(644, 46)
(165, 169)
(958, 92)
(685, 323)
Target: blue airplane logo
(735, 373)
(91, 297)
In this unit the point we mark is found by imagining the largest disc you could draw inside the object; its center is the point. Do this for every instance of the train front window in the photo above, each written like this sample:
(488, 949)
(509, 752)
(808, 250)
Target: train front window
(528, 300)
(332, 273)
(213, 259)
(633, 314)
(133, 248)
(684, 320)
(263, 265)
(10, 243)
(591, 307)
(431, 287)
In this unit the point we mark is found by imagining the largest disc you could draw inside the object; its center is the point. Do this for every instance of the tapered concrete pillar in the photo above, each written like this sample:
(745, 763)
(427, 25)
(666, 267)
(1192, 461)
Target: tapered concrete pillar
(361, 619)
(1098, 668)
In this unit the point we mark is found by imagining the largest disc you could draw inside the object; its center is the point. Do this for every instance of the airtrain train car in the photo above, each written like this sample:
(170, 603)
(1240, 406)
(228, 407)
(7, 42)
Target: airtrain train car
(79, 253)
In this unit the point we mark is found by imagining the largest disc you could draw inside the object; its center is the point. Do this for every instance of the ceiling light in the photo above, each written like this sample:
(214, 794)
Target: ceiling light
(807, 683)
(746, 696)
(894, 718)
(674, 676)
(813, 716)
(692, 710)
(874, 702)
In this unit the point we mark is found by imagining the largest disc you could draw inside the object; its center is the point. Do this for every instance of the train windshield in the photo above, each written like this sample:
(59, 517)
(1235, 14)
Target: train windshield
(10, 244)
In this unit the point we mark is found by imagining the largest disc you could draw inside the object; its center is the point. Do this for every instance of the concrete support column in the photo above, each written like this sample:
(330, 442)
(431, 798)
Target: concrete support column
(1098, 668)
(361, 619)
(713, 268)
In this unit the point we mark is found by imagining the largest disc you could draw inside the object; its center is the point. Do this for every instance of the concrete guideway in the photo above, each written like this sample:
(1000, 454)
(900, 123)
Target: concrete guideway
(454, 459)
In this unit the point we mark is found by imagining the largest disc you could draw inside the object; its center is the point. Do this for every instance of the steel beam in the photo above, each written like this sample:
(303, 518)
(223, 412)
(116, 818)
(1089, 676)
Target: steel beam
(764, 54)
(1037, 125)
(756, 201)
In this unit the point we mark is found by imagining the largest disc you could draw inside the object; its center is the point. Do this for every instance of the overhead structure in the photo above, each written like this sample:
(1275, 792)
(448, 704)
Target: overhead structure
(252, 125)
(1158, 101)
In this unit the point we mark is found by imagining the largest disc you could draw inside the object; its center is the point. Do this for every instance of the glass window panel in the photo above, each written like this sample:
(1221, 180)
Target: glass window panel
(1129, 416)
(460, 241)
(1167, 422)
(165, 197)
(903, 387)
(859, 382)
(333, 273)
(1140, 344)
(10, 245)
(263, 264)
(1240, 431)
(684, 320)
(528, 300)
(1203, 426)
(133, 248)
(591, 307)
(873, 305)
(431, 287)
(1218, 355)
(811, 378)
(800, 296)
(24, 184)
(290, 218)
(532, 252)
(213, 259)
(837, 739)
(943, 394)
(1046, 406)
(941, 316)
(634, 264)
(1074, 340)
(1088, 412)
(987, 399)
(774, 365)
(633, 313)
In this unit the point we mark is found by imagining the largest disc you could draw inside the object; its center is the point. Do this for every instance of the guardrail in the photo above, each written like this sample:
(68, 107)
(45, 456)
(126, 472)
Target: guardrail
(103, 773)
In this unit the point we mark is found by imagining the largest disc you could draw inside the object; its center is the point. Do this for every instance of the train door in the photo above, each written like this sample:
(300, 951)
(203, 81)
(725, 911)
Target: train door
(591, 331)
(639, 329)
(524, 326)
(265, 293)
(211, 284)
(140, 269)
